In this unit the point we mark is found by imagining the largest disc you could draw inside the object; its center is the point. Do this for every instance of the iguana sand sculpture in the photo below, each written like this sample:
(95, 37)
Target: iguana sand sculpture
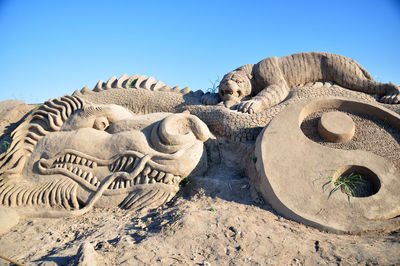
(268, 82)
(71, 154)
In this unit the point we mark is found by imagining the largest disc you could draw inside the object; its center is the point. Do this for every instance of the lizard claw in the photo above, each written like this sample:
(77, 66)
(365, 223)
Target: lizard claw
(250, 106)
(390, 99)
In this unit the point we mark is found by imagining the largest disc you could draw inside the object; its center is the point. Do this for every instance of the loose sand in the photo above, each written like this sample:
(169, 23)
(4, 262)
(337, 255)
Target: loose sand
(216, 219)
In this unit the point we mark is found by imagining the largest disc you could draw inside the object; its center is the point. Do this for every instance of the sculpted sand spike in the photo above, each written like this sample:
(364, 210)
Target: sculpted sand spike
(254, 88)
(133, 82)
(71, 154)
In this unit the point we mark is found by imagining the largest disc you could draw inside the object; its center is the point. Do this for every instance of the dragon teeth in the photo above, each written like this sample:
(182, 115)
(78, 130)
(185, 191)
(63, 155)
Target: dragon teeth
(62, 159)
(94, 165)
(146, 170)
(115, 184)
(83, 161)
(152, 181)
(78, 159)
(84, 175)
(160, 176)
(89, 177)
(146, 179)
(153, 174)
(176, 179)
(73, 157)
(67, 157)
(131, 160)
(94, 181)
(123, 162)
(75, 170)
(115, 165)
(112, 167)
(168, 178)
(79, 172)
(138, 179)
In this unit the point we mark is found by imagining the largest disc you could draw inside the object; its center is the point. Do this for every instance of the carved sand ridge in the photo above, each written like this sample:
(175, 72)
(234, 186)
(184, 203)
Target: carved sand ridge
(134, 82)
(59, 193)
(47, 118)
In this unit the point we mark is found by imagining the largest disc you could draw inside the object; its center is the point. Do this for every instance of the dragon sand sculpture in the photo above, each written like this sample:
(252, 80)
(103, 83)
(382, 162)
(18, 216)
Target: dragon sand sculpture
(73, 155)
(130, 141)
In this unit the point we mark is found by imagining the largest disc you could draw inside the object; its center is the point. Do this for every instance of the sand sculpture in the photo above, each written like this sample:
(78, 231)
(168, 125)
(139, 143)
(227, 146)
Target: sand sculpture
(129, 141)
(300, 195)
(269, 81)
(72, 155)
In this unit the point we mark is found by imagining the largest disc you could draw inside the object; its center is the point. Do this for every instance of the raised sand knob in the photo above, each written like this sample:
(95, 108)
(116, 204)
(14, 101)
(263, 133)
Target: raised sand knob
(336, 127)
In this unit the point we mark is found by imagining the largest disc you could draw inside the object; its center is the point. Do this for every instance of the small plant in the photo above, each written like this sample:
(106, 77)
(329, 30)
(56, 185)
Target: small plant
(185, 181)
(348, 184)
(253, 158)
(6, 145)
(212, 209)
(214, 86)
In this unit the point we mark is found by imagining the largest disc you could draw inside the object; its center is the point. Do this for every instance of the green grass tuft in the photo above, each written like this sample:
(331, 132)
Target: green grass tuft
(6, 145)
(186, 181)
(212, 209)
(347, 184)
(214, 86)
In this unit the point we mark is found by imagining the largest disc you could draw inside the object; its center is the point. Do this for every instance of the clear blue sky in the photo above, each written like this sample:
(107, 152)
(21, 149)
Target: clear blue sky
(51, 48)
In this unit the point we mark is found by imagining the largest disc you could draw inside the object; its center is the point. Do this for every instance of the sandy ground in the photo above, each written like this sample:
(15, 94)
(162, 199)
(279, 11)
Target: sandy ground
(214, 220)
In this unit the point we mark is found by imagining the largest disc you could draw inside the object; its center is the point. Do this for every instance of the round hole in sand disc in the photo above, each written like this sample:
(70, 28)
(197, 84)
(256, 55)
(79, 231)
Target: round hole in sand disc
(362, 181)
(336, 127)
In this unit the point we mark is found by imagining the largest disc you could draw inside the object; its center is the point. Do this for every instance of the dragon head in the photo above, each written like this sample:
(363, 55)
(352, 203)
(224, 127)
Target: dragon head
(136, 161)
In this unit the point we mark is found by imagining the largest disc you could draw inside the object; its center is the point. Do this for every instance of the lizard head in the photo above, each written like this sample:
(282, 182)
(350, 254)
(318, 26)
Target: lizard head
(234, 87)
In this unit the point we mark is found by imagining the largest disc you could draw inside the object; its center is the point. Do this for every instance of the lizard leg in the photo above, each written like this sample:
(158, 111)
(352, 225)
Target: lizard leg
(269, 96)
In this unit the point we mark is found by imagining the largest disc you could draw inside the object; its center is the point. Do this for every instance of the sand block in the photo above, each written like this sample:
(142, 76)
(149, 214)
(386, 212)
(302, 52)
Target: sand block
(336, 127)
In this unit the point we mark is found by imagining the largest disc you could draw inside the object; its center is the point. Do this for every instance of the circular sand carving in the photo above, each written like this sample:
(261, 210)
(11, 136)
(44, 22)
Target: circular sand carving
(370, 184)
(293, 170)
(365, 138)
(336, 127)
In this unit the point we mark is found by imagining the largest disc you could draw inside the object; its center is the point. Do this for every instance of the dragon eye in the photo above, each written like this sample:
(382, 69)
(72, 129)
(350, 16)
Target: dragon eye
(101, 123)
